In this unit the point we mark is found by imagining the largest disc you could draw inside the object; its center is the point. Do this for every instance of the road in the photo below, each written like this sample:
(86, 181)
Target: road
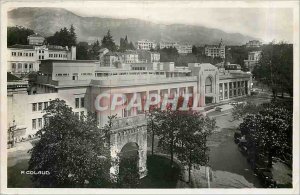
(224, 153)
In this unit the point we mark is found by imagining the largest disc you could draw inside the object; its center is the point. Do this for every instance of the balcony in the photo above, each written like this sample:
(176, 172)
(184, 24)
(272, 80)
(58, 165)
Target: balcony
(109, 82)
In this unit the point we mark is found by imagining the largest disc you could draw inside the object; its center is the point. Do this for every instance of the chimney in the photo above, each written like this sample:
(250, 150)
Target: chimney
(73, 53)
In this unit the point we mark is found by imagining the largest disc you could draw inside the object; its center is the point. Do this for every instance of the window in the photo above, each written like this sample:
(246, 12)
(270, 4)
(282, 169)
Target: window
(19, 53)
(76, 102)
(26, 65)
(226, 91)
(40, 106)
(46, 120)
(82, 114)
(33, 123)
(230, 90)
(19, 66)
(26, 54)
(13, 53)
(40, 123)
(34, 107)
(126, 113)
(77, 114)
(13, 66)
(82, 102)
(221, 91)
(45, 105)
(30, 66)
(208, 85)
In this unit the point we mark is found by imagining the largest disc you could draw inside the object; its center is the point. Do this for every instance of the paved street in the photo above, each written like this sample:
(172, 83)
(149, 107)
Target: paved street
(224, 153)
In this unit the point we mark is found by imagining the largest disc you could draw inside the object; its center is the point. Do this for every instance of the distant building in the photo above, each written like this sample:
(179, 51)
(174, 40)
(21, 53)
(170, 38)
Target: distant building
(185, 49)
(254, 43)
(215, 50)
(181, 48)
(111, 59)
(148, 56)
(130, 56)
(253, 59)
(26, 58)
(145, 44)
(35, 39)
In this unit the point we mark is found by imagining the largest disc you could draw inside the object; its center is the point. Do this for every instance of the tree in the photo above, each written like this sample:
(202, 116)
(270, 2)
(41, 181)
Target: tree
(82, 51)
(241, 110)
(176, 131)
(72, 150)
(73, 36)
(108, 42)
(18, 35)
(64, 37)
(191, 147)
(275, 68)
(168, 54)
(268, 132)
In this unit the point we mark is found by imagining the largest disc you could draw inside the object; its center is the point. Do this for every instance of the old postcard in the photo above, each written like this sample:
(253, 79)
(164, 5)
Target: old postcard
(147, 97)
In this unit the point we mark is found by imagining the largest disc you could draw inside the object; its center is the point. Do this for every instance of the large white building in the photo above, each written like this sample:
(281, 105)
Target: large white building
(35, 39)
(254, 43)
(215, 50)
(181, 48)
(22, 59)
(145, 44)
(79, 82)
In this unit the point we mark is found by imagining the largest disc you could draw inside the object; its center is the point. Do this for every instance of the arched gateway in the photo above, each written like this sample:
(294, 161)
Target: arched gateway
(129, 135)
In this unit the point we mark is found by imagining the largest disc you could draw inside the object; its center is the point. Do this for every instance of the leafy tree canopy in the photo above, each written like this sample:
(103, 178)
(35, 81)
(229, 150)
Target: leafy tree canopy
(71, 149)
(64, 37)
(18, 35)
(108, 42)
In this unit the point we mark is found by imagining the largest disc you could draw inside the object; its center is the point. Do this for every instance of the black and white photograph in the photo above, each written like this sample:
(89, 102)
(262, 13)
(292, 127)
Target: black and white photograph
(149, 97)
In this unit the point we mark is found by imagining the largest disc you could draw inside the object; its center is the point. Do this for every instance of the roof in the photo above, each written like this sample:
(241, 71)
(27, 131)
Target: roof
(56, 48)
(36, 35)
(129, 52)
(19, 46)
(110, 53)
(70, 61)
(11, 77)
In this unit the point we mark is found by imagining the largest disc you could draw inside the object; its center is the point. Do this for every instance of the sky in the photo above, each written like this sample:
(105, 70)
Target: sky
(267, 23)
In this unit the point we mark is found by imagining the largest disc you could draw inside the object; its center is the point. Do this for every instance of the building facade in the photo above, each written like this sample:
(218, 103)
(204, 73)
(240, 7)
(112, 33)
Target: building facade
(215, 50)
(79, 82)
(23, 59)
(148, 56)
(35, 39)
(145, 44)
(254, 43)
(181, 48)
(253, 59)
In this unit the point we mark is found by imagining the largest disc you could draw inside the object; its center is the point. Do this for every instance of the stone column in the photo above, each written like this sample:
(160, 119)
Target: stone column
(222, 90)
(142, 162)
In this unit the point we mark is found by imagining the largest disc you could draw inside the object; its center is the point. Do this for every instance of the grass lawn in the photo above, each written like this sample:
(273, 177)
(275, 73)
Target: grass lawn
(160, 174)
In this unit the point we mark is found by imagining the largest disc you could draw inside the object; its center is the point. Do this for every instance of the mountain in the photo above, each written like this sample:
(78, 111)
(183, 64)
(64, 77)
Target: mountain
(47, 21)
